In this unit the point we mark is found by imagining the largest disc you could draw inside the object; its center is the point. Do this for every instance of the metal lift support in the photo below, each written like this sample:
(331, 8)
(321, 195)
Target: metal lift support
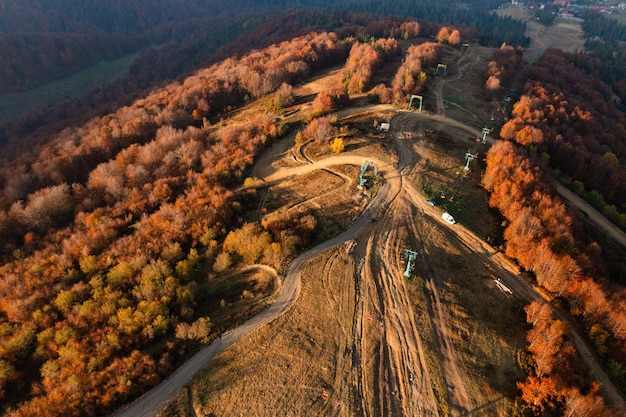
(364, 166)
(470, 157)
(485, 131)
(506, 100)
(444, 67)
(414, 96)
(410, 257)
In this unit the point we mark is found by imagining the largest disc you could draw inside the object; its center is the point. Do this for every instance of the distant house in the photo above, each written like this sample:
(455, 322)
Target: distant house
(384, 127)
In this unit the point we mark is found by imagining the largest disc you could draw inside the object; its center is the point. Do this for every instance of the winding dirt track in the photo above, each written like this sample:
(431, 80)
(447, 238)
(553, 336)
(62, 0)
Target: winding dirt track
(396, 382)
(388, 368)
(153, 401)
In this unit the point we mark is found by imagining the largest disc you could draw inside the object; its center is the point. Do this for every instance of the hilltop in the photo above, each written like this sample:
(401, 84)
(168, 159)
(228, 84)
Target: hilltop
(265, 184)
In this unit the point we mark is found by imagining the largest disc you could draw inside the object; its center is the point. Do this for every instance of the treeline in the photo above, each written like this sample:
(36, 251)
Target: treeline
(169, 62)
(92, 16)
(92, 27)
(605, 42)
(44, 52)
(365, 58)
(410, 76)
(609, 62)
(567, 117)
(543, 237)
(154, 66)
(595, 24)
(137, 16)
(29, 60)
(112, 231)
(190, 27)
(555, 385)
(32, 59)
(491, 29)
(505, 63)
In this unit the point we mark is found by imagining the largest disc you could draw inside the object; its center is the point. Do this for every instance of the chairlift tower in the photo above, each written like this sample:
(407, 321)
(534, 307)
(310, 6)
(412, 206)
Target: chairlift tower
(485, 132)
(444, 67)
(415, 96)
(470, 157)
(410, 256)
(364, 166)
(506, 100)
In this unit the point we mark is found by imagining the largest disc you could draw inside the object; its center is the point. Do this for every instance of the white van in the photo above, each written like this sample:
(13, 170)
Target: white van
(447, 217)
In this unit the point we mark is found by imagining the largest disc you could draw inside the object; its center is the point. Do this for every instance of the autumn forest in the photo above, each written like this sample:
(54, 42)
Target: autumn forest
(119, 208)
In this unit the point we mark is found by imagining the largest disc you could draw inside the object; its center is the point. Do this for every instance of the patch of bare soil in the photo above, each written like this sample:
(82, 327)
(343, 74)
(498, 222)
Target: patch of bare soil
(241, 294)
(329, 194)
(298, 365)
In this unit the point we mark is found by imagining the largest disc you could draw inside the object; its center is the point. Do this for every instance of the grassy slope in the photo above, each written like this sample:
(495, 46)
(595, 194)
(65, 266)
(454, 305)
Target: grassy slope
(15, 104)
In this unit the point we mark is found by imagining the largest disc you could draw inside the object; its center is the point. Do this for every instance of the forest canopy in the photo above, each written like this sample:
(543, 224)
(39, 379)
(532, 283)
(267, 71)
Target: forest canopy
(107, 225)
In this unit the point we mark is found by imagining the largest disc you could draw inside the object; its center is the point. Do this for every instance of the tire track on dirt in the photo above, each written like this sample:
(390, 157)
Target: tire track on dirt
(402, 356)
(417, 374)
(458, 399)
(441, 82)
(380, 370)
(345, 354)
(459, 402)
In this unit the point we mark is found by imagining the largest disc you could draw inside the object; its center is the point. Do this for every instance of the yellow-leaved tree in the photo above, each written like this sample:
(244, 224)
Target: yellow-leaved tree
(337, 146)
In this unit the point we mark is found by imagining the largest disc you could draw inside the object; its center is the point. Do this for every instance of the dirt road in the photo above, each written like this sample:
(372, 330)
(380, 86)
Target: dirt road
(388, 368)
(397, 381)
(152, 402)
(509, 273)
(460, 66)
(592, 214)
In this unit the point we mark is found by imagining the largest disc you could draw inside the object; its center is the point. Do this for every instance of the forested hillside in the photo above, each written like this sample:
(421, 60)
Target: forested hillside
(544, 237)
(111, 228)
(605, 43)
(565, 124)
(108, 228)
(567, 115)
(43, 41)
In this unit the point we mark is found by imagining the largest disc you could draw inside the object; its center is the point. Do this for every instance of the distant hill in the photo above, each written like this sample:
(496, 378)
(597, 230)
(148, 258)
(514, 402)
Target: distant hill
(45, 40)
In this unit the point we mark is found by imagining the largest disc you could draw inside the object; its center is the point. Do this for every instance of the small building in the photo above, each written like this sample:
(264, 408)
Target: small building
(384, 127)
